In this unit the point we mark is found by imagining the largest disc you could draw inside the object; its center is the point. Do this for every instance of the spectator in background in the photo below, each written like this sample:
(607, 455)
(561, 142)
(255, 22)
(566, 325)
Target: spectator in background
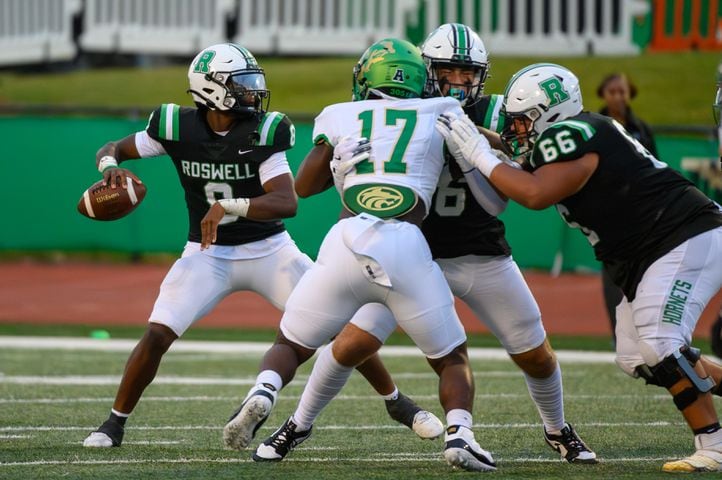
(617, 90)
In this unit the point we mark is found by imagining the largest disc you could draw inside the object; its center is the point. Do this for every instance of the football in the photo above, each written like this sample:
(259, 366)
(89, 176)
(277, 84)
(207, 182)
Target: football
(100, 202)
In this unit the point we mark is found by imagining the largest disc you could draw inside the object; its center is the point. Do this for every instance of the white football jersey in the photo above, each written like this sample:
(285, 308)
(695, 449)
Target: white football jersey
(407, 151)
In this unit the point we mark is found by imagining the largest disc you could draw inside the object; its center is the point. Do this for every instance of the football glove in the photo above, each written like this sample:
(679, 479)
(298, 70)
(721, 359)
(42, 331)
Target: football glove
(462, 137)
(346, 154)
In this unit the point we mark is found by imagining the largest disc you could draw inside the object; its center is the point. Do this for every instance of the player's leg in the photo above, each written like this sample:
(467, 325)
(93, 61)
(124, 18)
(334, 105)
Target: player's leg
(495, 290)
(361, 339)
(326, 380)
(612, 297)
(192, 287)
(274, 277)
(424, 308)
(657, 329)
(309, 321)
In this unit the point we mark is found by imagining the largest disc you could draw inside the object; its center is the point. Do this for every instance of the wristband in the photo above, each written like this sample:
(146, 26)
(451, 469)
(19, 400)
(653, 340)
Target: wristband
(236, 206)
(107, 162)
(488, 162)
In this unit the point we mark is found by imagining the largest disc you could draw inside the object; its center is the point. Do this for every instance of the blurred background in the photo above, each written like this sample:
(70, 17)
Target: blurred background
(77, 73)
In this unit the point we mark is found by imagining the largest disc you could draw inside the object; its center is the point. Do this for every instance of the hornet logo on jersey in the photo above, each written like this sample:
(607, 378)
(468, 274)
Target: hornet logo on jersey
(399, 76)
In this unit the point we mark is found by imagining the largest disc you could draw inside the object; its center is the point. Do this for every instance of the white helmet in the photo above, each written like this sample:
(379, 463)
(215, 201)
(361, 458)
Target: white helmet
(543, 93)
(455, 45)
(227, 77)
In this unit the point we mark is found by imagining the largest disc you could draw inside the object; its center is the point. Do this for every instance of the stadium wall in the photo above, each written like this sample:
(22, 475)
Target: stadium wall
(44, 192)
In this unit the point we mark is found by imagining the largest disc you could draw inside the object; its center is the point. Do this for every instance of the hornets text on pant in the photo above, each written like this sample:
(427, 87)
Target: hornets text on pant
(674, 308)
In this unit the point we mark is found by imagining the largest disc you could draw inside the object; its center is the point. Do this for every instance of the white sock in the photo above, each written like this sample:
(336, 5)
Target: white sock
(547, 394)
(118, 414)
(711, 441)
(327, 379)
(393, 395)
(269, 377)
(459, 416)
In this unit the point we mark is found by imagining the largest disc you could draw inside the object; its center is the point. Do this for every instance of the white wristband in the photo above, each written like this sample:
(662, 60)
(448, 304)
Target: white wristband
(488, 162)
(236, 206)
(107, 162)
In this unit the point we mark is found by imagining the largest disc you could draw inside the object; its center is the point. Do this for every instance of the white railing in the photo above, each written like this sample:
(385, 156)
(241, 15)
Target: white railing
(546, 27)
(180, 27)
(323, 27)
(33, 31)
(37, 31)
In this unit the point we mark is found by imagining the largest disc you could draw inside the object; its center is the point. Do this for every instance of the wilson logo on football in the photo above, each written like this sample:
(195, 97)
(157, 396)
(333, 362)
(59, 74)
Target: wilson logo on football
(101, 202)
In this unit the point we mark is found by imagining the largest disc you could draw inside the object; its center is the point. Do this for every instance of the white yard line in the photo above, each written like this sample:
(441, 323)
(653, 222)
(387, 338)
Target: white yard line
(355, 398)
(389, 458)
(254, 348)
(495, 426)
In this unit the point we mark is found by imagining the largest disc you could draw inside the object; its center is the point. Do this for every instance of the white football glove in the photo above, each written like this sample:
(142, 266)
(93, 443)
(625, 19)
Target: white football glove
(346, 154)
(463, 137)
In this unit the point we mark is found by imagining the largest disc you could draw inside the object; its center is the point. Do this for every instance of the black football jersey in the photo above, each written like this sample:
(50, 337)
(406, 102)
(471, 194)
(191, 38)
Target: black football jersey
(212, 167)
(457, 225)
(633, 209)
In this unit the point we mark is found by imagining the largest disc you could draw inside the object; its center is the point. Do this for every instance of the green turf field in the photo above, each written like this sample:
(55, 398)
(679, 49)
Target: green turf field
(674, 88)
(51, 399)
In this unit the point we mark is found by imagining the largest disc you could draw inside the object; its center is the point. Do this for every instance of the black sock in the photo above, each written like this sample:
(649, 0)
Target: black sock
(708, 429)
(117, 418)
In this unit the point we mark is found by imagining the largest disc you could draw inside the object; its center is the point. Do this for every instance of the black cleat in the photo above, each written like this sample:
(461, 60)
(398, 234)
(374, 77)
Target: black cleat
(277, 446)
(110, 434)
(570, 446)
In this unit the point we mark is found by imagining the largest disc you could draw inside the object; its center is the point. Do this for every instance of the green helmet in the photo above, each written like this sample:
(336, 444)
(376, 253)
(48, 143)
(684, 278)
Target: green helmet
(391, 67)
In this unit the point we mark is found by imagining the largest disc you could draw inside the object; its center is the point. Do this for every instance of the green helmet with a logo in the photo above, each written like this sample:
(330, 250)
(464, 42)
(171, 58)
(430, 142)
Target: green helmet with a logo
(389, 68)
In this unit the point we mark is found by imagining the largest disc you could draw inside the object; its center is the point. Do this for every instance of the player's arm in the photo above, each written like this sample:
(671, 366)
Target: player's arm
(113, 153)
(554, 180)
(485, 194)
(547, 185)
(494, 138)
(278, 200)
(314, 174)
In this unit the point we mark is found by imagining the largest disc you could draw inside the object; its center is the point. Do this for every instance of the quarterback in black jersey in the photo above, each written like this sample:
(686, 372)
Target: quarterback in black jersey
(229, 154)
(658, 235)
(468, 241)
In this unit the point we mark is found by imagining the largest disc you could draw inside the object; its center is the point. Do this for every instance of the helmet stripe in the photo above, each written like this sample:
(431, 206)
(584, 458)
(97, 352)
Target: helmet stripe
(243, 51)
(460, 39)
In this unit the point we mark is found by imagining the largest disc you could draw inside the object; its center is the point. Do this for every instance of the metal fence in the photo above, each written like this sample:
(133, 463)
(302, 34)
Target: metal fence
(34, 31)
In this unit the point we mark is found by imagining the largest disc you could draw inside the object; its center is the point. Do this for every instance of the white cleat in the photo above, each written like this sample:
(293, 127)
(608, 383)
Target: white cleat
(98, 440)
(427, 425)
(245, 422)
(707, 458)
(461, 451)
(699, 462)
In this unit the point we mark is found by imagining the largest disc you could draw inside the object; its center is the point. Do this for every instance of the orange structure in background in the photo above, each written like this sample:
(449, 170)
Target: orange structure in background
(678, 39)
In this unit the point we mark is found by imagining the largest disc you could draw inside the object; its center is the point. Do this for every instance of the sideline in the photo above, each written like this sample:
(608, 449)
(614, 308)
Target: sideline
(258, 348)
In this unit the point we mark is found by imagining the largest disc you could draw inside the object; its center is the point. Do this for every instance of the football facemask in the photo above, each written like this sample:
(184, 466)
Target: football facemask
(462, 83)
